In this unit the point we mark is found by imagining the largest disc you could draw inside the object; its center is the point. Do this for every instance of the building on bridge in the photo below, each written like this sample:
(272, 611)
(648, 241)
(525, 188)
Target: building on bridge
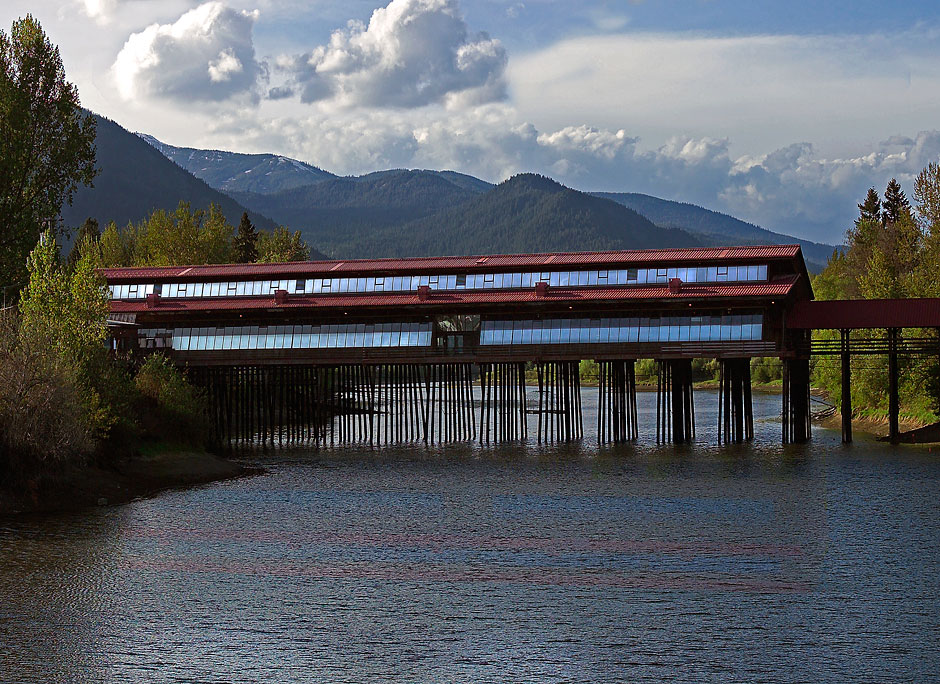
(387, 349)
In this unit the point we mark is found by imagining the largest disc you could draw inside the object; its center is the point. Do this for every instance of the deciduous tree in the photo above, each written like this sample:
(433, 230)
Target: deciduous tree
(47, 144)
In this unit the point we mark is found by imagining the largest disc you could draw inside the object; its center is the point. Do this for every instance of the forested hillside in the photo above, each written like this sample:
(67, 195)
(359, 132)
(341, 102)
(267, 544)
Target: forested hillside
(527, 213)
(136, 179)
(354, 209)
(713, 227)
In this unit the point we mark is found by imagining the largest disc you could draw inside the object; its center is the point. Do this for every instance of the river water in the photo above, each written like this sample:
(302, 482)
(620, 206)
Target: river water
(511, 564)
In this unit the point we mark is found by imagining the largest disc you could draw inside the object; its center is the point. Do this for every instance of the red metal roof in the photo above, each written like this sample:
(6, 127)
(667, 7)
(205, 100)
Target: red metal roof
(849, 314)
(779, 287)
(466, 264)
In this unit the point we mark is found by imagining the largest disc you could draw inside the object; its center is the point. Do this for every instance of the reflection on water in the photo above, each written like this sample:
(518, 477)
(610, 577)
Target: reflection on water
(512, 563)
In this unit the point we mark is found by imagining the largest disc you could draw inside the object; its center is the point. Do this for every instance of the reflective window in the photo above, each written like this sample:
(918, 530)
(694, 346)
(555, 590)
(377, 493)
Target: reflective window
(585, 278)
(622, 330)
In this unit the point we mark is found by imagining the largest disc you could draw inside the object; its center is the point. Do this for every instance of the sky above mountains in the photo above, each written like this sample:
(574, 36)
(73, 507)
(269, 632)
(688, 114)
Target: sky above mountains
(781, 113)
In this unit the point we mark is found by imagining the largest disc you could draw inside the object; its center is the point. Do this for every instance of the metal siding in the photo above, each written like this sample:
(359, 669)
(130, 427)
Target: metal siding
(848, 314)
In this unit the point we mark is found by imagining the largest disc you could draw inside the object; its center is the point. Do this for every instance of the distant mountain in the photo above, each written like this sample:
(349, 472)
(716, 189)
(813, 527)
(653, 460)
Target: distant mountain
(527, 213)
(135, 179)
(237, 172)
(714, 228)
(343, 209)
(349, 213)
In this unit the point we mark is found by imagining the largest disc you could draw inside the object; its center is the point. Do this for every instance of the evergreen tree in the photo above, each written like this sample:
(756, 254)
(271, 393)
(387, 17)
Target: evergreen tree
(47, 145)
(895, 205)
(870, 209)
(245, 247)
(88, 231)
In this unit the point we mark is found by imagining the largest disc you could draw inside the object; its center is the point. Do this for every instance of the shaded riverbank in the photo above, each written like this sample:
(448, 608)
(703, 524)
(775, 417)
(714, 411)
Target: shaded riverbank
(152, 469)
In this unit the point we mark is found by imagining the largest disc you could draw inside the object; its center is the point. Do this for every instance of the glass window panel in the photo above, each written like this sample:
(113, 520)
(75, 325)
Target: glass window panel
(632, 275)
(711, 274)
(526, 337)
(594, 332)
(722, 274)
(516, 280)
(592, 278)
(752, 272)
(583, 278)
(762, 272)
(672, 273)
(684, 333)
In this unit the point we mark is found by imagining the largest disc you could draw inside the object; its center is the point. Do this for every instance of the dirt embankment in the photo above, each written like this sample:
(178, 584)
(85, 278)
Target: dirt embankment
(128, 478)
(871, 426)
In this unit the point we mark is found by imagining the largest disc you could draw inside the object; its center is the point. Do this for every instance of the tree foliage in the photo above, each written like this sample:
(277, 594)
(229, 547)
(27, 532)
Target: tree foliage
(282, 245)
(893, 251)
(191, 237)
(245, 247)
(47, 144)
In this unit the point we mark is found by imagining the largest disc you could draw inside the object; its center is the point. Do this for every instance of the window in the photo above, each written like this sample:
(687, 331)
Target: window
(326, 284)
(631, 275)
(300, 286)
(488, 278)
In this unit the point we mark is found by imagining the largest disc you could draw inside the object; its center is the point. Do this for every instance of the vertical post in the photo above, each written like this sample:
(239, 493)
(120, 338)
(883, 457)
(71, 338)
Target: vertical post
(846, 403)
(893, 404)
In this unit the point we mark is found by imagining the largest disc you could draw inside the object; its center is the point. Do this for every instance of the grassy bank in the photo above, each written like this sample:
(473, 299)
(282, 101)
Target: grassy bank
(154, 467)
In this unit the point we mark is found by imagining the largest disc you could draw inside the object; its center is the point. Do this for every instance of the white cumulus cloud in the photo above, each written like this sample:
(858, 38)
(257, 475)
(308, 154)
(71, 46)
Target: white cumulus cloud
(411, 53)
(206, 55)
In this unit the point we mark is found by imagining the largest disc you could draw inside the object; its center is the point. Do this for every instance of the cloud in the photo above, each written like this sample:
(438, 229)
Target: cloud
(412, 53)
(99, 10)
(758, 90)
(206, 55)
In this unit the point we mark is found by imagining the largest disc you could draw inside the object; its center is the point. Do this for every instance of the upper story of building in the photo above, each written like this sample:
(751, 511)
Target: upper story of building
(612, 298)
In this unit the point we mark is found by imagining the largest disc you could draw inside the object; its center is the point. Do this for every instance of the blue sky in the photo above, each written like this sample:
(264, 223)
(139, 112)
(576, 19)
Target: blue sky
(781, 113)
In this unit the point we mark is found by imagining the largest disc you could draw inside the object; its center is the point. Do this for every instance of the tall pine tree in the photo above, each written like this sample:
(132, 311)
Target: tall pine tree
(246, 242)
(870, 209)
(895, 205)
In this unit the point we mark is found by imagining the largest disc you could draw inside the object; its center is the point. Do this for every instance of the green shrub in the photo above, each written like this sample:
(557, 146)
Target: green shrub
(766, 370)
(171, 408)
(43, 426)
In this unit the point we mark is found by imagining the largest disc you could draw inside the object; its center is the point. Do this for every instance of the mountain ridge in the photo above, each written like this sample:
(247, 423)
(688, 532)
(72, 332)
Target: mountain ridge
(135, 179)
